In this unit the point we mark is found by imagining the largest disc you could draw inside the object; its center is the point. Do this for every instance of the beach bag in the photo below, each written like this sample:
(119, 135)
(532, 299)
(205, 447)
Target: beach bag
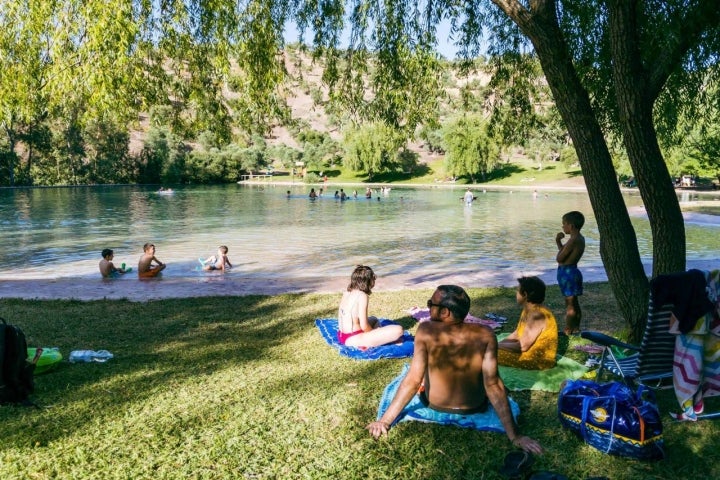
(613, 418)
(16, 372)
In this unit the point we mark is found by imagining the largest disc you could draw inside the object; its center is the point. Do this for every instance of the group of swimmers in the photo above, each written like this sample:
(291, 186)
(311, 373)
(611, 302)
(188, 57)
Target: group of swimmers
(149, 266)
(341, 195)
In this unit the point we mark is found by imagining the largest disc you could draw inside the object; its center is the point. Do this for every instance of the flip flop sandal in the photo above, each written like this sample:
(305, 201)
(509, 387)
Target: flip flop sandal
(517, 465)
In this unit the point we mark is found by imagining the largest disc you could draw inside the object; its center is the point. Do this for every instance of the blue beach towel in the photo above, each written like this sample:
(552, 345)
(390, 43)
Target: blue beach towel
(329, 327)
(416, 411)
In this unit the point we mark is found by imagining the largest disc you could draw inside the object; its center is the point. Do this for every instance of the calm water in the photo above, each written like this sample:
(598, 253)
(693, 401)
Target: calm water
(59, 232)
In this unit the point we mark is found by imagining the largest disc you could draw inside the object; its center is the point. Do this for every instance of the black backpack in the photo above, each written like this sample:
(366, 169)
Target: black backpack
(16, 379)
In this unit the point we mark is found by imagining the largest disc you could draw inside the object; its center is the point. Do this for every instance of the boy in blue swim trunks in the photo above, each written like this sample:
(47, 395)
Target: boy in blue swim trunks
(569, 277)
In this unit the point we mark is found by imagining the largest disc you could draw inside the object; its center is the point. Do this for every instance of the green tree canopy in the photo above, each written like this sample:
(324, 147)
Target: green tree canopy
(469, 151)
(372, 148)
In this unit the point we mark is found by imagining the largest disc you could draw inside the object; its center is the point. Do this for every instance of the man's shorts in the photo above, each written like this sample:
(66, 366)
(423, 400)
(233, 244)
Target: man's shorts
(570, 280)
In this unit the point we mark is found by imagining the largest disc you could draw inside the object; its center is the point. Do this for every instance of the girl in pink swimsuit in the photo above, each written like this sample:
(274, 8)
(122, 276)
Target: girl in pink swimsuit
(355, 328)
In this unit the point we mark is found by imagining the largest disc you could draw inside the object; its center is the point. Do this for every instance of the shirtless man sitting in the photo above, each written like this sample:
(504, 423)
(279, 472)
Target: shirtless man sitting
(459, 361)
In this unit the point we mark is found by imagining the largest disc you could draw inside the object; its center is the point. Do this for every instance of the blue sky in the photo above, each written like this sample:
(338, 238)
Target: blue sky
(445, 46)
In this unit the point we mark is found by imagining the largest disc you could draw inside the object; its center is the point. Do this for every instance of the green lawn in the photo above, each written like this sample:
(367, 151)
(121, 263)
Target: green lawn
(244, 387)
(519, 172)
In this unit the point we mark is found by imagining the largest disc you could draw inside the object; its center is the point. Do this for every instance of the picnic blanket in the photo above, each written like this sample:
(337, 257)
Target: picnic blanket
(329, 327)
(491, 320)
(416, 411)
(549, 380)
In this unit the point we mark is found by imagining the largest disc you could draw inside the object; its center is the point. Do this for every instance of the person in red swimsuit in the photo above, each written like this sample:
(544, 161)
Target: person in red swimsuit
(355, 328)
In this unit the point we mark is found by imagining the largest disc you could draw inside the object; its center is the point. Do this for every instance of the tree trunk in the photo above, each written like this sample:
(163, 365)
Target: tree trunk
(618, 242)
(635, 102)
(11, 154)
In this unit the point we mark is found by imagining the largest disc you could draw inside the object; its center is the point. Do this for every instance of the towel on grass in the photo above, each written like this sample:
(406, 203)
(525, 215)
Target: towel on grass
(546, 380)
(549, 380)
(416, 411)
(329, 328)
(423, 315)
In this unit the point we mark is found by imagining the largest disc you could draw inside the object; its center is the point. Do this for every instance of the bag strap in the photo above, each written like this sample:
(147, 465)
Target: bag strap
(611, 415)
(641, 421)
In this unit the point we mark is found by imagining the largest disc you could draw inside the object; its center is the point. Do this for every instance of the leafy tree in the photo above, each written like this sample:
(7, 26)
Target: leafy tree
(469, 150)
(69, 62)
(372, 148)
(611, 66)
(163, 157)
(106, 153)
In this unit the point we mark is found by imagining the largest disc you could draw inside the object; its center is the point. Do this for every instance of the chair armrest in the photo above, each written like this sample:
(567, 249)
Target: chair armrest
(607, 340)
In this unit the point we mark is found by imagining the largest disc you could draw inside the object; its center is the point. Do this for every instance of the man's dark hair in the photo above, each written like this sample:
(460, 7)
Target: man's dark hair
(455, 299)
(533, 287)
(575, 218)
(106, 252)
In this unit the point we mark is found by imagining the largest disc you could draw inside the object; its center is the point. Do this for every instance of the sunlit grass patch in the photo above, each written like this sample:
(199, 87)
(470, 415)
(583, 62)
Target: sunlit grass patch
(244, 387)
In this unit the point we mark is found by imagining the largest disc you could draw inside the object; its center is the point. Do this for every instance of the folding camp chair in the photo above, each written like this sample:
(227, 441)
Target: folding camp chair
(651, 364)
(652, 361)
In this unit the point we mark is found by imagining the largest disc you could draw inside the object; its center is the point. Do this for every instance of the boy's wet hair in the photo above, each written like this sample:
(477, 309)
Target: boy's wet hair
(223, 249)
(533, 287)
(455, 299)
(106, 252)
(362, 278)
(574, 218)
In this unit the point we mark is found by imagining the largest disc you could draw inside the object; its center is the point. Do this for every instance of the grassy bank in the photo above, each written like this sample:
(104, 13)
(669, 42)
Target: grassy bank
(520, 172)
(244, 387)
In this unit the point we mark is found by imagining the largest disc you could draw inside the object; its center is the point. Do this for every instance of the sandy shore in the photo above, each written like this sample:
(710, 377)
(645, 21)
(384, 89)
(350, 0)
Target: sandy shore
(130, 288)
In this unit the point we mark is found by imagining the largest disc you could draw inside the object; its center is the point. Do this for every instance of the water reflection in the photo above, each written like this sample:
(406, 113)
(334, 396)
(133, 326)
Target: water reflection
(59, 232)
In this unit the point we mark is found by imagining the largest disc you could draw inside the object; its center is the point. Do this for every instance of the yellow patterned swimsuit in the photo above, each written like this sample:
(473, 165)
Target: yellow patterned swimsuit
(541, 355)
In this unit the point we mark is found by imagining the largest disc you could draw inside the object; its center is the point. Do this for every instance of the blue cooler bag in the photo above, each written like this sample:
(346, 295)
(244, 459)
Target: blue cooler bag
(613, 418)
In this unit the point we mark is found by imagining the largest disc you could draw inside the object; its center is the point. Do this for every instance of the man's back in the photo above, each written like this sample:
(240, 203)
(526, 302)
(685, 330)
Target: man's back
(455, 354)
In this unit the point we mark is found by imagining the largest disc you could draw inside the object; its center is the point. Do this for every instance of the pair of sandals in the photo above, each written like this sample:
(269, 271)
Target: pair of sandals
(517, 466)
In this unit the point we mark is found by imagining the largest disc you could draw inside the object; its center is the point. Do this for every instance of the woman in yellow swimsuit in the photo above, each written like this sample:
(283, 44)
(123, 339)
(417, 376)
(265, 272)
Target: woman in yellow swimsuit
(533, 345)
(355, 328)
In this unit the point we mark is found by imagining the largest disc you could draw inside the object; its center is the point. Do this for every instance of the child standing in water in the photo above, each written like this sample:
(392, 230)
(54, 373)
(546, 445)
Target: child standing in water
(569, 277)
(219, 261)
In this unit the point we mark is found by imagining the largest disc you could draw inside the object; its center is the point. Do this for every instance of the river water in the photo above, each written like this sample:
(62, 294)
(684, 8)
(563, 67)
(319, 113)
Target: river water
(410, 236)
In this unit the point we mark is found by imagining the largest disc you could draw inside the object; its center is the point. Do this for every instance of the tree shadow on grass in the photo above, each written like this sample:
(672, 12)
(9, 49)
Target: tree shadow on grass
(418, 171)
(505, 170)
